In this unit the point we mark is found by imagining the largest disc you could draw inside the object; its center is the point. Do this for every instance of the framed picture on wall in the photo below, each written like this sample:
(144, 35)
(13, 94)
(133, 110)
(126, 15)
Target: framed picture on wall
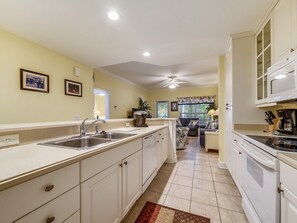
(174, 106)
(73, 88)
(33, 81)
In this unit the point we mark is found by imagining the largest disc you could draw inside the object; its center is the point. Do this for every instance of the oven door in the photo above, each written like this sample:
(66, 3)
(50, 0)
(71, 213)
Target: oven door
(260, 180)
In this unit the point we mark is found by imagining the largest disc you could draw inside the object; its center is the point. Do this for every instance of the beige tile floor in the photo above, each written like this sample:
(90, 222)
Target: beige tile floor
(194, 184)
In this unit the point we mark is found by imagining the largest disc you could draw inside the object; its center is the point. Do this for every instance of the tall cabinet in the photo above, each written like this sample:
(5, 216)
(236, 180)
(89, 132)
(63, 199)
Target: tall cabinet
(240, 87)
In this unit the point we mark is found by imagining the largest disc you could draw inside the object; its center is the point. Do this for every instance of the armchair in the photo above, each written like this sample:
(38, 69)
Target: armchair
(193, 129)
(181, 136)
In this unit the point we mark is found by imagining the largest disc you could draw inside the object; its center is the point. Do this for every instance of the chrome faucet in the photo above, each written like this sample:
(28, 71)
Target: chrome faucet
(83, 128)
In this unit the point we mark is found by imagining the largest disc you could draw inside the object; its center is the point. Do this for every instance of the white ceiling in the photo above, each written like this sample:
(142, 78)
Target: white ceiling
(185, 37)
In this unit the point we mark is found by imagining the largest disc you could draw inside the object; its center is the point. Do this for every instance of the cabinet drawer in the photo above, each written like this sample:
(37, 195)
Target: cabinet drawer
(288, 176)
(162, 132)
(236, 139)
(75, 218)
(95, 164)
(57, 210)
(19, 200)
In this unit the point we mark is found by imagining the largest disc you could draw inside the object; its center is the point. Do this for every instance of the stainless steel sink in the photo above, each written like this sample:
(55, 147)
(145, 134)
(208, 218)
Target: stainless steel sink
(87, 142)
(112, 135)
(77, 143)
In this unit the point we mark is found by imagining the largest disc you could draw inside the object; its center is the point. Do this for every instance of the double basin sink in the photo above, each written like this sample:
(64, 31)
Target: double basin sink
(88, 141)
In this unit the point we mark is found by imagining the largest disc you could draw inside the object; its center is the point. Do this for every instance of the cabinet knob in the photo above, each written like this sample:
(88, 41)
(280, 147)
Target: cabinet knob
(121, 165)
(239, 153)
(126, 163)
(235, 140)
(49, 188)
(158, 141)
(49, 220)
(279, 190)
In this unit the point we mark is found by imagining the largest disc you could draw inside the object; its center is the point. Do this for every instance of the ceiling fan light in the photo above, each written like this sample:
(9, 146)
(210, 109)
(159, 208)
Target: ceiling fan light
(146, 54)
(113, 15)
(172, 86)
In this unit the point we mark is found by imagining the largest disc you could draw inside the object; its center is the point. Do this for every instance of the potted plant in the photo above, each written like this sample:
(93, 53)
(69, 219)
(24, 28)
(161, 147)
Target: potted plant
(144, 106)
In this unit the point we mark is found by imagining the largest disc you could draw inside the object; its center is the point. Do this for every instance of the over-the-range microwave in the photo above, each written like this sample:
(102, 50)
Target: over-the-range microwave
(282, 79)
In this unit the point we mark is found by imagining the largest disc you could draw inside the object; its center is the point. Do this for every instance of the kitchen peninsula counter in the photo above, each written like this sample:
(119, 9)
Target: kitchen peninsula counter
(24, 162)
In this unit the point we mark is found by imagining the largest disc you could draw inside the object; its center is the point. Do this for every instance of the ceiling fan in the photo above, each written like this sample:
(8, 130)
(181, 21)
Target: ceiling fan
(173, 82)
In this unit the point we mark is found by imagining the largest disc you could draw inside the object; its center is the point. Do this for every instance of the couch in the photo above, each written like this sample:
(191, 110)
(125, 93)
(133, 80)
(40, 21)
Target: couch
(211, 126)
(193, 129)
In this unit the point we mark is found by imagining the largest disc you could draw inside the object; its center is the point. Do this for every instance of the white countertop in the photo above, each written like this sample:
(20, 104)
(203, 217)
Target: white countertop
(21, 163)
(288, 158)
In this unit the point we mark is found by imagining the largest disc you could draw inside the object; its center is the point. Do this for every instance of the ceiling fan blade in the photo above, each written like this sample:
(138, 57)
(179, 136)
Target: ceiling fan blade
(166, 85)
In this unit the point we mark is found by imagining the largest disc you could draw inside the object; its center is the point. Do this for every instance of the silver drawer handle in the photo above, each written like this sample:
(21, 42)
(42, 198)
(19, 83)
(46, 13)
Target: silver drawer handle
(49, 188)
(49, 220)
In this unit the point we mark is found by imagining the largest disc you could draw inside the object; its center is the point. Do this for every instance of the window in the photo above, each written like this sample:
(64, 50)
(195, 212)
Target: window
(195, 111)
(162, 109)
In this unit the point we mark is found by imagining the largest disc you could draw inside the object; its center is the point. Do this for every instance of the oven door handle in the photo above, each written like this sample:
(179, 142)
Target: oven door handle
(263, 162)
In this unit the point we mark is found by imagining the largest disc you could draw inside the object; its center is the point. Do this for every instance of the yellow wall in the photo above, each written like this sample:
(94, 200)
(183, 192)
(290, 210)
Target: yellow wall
(173, 94)
(19, 106)
(222, 81)
(123, 96)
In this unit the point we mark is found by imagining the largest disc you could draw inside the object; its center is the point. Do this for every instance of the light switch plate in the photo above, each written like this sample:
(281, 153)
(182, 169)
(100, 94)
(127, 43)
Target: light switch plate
(9, 140)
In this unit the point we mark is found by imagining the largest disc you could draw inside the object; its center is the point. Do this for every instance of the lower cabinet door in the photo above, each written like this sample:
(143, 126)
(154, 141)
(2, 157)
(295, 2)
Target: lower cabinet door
(101, 196)
(288, 206)
(132, 180)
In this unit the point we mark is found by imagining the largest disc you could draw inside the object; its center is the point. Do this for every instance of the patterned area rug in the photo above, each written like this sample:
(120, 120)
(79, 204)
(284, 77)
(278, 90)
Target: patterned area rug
(155, 213)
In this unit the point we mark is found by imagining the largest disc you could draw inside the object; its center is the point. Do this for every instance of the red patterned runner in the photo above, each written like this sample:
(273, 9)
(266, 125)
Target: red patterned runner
(155, 213)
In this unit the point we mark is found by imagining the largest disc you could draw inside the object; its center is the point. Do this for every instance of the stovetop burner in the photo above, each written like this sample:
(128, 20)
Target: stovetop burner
(277, 143)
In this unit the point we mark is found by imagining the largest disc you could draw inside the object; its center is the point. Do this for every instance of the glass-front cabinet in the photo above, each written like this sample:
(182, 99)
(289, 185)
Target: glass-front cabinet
(263, 55)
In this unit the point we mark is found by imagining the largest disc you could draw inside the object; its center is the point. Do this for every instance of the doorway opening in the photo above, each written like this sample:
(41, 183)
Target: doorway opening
(101, 105)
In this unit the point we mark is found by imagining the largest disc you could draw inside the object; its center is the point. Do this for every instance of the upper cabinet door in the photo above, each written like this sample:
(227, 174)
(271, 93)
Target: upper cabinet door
(263, 60)
(285, 22)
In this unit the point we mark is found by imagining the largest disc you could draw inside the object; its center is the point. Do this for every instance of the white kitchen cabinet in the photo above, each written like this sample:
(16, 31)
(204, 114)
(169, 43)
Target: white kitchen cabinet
(101, 196)
(235, 165)
(288, 206)
(162, 146)
(75, 218)
(57, 210)
(132, 180)
(263, 60)
(110, 194)
(284, 29)
(288, 177)
(21, 199)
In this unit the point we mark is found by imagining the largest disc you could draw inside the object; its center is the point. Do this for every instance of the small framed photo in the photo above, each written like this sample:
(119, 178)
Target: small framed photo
(33, 81)
(73, 88)
(174, 106)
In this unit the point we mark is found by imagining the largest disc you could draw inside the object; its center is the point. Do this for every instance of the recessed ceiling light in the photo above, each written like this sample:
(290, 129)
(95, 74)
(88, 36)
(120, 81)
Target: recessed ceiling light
(113, 15)
(146, 54)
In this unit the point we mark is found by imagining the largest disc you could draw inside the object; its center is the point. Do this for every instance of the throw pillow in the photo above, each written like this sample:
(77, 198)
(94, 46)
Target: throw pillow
(178, 122)
(193, 122)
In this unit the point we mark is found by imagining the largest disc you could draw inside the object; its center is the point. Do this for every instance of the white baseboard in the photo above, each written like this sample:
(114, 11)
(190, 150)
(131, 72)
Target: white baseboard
(222, 165)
